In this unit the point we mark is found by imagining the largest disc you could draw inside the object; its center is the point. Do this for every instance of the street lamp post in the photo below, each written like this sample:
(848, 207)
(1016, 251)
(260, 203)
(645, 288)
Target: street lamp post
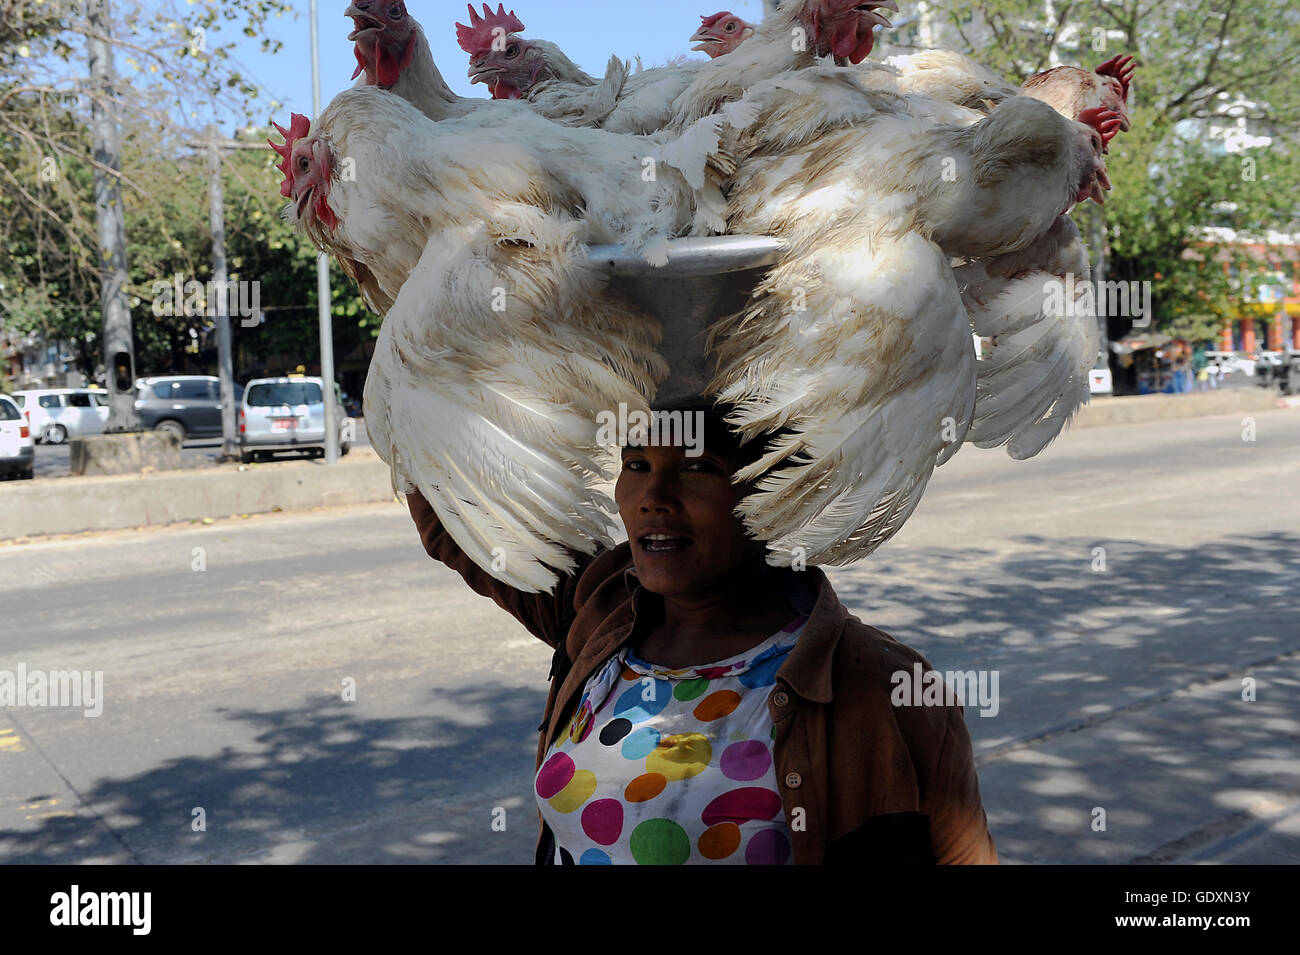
(323, 286)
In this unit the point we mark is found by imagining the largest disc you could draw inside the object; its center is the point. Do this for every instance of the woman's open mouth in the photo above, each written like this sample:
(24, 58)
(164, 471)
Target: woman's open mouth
(663, 543)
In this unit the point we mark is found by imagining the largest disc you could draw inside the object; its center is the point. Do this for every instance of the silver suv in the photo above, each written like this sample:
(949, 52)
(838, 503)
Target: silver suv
(287, 414)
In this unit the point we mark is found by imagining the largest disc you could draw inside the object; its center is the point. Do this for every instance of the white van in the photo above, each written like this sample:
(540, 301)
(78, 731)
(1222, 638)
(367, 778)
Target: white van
(57, 414)
(287, 414)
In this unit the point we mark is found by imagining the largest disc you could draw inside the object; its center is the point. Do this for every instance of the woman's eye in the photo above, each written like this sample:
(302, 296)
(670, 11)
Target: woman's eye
(633, 464)
(701, 464)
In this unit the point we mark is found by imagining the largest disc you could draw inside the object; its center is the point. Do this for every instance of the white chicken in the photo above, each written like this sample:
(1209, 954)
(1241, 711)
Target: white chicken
(857, 342)
(539, 72)
(853, 355)
(497, 351)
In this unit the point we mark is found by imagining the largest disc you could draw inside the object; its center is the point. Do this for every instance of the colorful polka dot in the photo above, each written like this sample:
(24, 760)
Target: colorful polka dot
(690, 690)
(595, 857)
(681, 756)
(762, 673)
(615, 730)
(578, 791)
(580, 726)
(767, 847)
(720, 841)
(745, 761)
(640, 743)
(555, 775)
(602, 821)
(742, 805)
(640, 702)
(645, 787)
(659, 842)
(716, 705)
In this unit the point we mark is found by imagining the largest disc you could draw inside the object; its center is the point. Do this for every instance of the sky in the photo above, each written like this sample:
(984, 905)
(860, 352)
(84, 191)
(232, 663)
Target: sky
(586, 30)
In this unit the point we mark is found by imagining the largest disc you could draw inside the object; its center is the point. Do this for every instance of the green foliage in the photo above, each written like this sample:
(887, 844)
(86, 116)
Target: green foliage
(48, 245)
(1197, 59)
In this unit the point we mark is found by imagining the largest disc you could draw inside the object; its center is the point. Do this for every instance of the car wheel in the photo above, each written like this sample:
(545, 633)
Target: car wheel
(54, 434)
(246, 457)
(171, 426)
(27, 475)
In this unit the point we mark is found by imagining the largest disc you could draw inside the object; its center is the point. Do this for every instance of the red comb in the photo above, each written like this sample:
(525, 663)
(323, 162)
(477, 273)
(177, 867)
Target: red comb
(1120, 67)
(709, 21)
(477, 37)
(299, 126)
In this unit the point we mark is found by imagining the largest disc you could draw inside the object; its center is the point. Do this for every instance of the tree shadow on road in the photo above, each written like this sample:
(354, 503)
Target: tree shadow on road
(327, 786)
(1120, 684)
(1176, 769)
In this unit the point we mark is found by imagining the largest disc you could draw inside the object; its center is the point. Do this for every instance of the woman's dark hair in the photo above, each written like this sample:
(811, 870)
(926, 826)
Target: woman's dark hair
(719, 437)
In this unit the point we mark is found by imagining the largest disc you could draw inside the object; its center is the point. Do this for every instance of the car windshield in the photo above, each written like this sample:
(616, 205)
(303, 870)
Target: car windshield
(9, 411)
(21, 400)
(272, 395)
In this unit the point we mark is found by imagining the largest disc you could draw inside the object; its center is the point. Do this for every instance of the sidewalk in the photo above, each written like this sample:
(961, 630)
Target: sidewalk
(76, 505)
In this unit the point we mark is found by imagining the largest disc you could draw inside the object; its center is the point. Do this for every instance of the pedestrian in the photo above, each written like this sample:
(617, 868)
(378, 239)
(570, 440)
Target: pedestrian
(1203, 378)
(708, 707)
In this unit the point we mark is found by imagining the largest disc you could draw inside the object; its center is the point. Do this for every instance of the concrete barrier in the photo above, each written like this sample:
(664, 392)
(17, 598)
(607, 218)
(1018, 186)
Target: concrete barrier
(76, 504)
(1136, 409)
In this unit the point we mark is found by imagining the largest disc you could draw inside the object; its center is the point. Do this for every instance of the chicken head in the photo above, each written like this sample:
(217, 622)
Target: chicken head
(510, 72)
(1070, 90)
(844, 28)
(384, 40)
(1103, 123)
(507, 64)
(721, 33)
(308, 168)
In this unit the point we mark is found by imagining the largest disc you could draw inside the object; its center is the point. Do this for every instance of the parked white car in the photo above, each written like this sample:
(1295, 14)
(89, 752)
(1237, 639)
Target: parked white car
(287, 414)
(57, 414)
(17, 456)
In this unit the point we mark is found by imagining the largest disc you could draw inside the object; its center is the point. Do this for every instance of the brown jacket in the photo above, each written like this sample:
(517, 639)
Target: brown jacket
(862, 780)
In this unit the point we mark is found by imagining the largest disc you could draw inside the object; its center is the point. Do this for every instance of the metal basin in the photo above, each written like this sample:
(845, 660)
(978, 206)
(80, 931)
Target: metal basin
(704, 280)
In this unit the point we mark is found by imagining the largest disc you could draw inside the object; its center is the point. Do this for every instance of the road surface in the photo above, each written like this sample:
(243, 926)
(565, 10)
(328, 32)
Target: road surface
(1122, 585)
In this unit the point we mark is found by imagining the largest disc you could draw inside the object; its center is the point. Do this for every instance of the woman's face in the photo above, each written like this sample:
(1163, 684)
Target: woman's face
(689, 500)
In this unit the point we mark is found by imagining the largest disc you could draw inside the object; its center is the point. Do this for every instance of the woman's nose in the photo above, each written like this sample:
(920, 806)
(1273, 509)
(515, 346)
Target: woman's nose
(661, 492)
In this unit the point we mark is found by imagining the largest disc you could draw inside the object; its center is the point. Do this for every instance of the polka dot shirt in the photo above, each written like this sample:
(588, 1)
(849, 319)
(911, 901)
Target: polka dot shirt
(664, 767)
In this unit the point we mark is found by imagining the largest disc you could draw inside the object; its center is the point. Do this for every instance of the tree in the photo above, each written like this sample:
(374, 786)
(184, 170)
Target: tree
(47, 159)
(1199, 60)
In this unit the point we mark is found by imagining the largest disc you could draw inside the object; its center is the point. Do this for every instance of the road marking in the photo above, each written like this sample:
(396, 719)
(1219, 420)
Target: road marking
(10, 742)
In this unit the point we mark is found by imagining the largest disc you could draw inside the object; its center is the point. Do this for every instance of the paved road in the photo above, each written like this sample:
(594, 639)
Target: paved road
(1120, 686)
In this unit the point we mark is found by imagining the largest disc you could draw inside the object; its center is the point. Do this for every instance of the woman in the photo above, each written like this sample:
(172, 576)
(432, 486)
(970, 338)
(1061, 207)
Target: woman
(706, 706)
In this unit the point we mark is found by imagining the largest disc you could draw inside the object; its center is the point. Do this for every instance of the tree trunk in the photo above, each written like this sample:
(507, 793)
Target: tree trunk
(119, 360)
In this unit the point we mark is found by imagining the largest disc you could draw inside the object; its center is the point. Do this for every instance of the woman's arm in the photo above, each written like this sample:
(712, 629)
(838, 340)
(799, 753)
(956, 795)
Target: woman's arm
(546, 616)
(959, 833)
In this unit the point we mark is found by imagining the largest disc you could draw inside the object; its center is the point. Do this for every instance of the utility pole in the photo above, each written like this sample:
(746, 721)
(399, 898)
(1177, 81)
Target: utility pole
(213, 145)
(323, 287)
(110, 219)
(220, 279)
